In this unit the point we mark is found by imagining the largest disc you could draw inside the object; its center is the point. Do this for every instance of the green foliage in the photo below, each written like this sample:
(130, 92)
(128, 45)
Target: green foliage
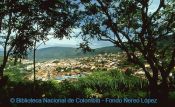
(172, 95)
(129, 25)
(14, 73)
(32, 21)
(100, 84)
(60, 69)
(113, 81)
(124, 63)
(88, 92)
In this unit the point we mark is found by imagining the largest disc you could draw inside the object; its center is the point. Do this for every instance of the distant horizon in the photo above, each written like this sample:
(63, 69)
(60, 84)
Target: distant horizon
(66, 47)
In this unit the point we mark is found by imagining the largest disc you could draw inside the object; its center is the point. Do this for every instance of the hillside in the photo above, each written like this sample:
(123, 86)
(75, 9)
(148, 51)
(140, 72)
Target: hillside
(68, 52)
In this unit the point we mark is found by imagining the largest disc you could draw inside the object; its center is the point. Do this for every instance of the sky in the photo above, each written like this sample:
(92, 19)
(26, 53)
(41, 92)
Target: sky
(74, 42)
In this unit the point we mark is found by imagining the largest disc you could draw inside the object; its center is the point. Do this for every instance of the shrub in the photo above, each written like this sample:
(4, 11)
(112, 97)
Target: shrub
(113, 81)
(99, 84)
(66, 69)
(88, 92)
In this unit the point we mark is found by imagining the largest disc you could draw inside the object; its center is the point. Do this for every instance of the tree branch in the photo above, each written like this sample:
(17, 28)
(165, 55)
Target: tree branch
(172, 62)
(113, 28)
(160, 6)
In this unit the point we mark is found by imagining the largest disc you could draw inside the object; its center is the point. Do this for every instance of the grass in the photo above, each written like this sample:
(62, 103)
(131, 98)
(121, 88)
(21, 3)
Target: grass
(112, 83)
(99, 84)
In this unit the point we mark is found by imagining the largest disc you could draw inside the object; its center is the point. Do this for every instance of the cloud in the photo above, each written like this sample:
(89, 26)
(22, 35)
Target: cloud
(63, 43)
(73, 42)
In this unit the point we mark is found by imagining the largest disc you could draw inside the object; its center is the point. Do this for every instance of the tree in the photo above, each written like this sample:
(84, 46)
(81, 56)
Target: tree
(23, 23)
(10, 18)
(56, 18)
(131, 26)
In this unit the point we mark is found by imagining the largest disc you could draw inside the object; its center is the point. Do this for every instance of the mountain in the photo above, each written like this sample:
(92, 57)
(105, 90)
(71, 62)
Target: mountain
(68, 52)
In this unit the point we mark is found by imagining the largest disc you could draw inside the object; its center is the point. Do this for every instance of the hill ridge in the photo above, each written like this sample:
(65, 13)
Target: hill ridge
(50, 53)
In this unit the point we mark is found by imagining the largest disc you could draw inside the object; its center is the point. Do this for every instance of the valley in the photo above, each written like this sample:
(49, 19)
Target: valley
(73, 68)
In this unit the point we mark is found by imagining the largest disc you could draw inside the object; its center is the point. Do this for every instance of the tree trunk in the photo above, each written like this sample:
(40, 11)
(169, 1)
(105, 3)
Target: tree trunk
(2, 82)
(153, 88)
(16, 59)
(2, 66)
(1, 72)
(159, 92)
(1, 77)
(164, 89)
(34, 66)
(20, 61)
(34, 70)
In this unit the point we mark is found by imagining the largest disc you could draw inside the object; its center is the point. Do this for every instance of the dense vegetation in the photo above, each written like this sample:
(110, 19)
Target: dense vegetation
(100, 84)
